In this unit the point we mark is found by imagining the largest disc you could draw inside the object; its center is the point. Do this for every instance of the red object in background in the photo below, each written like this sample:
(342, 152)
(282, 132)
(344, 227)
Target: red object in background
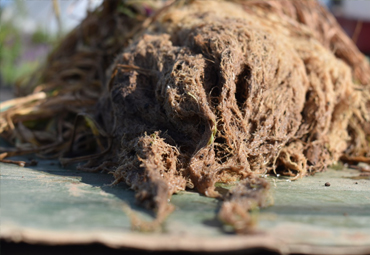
(363, 38)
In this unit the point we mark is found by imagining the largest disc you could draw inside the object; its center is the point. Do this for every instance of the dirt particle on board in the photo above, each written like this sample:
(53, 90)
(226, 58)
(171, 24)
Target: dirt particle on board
(32, 163)
(327, 184)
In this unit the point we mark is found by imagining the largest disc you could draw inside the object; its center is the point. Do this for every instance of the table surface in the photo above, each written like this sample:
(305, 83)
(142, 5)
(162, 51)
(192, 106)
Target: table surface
(48, 204)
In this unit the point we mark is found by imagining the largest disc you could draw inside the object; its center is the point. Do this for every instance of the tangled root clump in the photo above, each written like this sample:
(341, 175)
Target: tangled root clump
(205, 96)
(217, 91)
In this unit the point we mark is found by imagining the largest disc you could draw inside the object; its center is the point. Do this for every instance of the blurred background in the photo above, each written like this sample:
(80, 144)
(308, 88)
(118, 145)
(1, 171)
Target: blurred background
(30, 29)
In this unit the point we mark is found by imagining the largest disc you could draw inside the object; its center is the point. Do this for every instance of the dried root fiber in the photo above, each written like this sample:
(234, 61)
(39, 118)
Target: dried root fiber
(226, 91)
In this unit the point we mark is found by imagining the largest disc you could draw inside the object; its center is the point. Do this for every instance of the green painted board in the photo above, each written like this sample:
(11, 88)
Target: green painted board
(48, 204)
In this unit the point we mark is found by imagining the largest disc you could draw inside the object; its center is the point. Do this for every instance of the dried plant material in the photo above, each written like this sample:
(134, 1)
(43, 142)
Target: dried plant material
(71, 82)
(248, 195)
(206, 92)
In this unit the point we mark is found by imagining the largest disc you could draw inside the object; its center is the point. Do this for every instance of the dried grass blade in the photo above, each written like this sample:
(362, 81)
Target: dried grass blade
(22, 100)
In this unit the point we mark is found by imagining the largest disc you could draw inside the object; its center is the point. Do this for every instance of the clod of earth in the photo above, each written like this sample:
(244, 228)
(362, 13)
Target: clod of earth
(200, 93)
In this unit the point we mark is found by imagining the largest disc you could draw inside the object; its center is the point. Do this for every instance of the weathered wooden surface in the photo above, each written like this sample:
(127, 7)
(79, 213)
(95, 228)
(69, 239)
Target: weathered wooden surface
(51, 205)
